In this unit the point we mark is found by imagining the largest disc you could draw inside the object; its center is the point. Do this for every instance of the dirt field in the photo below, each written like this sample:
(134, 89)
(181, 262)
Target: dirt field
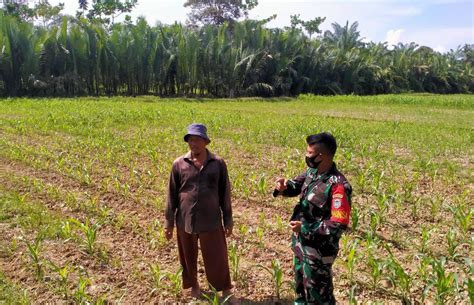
(83, 188)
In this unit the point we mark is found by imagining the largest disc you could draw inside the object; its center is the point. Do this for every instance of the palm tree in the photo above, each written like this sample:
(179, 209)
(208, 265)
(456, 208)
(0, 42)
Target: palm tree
(77, 56)
(17, 54)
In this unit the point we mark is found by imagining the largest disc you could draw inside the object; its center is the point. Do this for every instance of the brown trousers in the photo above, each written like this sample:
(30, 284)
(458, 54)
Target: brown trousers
(214, 253)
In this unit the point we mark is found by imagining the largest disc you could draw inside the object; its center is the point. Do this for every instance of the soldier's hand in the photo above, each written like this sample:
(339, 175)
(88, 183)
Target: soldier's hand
(295, 226)
(281, 184)
(169, 233)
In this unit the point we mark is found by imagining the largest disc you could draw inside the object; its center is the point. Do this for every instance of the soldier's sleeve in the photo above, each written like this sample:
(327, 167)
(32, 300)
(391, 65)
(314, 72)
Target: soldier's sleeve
(172, 198)
(340, 214)
(293, 186)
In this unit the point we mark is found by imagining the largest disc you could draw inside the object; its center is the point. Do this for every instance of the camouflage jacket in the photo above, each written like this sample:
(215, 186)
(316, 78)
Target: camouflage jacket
(324, 206)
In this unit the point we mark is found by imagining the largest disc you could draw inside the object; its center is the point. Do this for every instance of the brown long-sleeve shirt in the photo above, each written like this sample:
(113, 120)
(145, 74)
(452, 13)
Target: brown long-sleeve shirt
(198, 200)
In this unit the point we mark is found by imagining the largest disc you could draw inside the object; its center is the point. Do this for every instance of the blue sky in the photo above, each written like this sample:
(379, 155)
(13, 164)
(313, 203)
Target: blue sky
(439, 24)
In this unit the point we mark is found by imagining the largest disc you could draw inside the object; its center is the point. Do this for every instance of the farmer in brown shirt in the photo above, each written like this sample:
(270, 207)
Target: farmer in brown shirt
(199, 203)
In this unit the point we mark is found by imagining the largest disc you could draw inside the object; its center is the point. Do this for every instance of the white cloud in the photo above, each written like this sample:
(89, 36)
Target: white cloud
(394, 37)
(404, 11)
(448, 1)
(439, 39)
(441, 49)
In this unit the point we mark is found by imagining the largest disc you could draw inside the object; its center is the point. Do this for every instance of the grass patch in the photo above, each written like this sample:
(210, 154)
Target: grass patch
(11, 293)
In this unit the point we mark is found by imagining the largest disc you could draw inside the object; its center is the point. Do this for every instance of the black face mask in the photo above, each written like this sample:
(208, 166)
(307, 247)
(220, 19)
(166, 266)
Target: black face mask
(310, 161)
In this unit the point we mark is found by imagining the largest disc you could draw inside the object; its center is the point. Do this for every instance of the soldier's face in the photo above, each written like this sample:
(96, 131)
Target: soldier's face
(313, 156)
(313, 151)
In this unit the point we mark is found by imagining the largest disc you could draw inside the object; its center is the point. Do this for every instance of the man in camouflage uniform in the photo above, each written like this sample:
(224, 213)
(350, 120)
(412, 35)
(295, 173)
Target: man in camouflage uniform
(318, 220)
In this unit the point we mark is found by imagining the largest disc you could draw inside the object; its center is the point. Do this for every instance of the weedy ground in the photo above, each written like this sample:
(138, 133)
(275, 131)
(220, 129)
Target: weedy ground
(83, 188)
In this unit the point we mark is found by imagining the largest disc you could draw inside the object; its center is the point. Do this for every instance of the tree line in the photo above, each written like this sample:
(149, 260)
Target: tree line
(76, 56)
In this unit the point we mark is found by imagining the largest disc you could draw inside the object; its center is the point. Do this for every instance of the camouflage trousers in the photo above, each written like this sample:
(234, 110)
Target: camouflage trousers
(313, 274)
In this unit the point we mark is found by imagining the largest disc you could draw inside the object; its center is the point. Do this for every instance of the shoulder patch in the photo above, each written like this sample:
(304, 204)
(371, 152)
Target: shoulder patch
(340, 205)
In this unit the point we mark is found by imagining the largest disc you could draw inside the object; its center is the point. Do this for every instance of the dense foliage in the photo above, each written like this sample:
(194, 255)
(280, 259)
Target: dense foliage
(78, 56)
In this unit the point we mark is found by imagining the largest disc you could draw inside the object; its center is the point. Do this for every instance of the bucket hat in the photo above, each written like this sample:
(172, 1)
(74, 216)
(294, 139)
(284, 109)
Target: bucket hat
(197, 129)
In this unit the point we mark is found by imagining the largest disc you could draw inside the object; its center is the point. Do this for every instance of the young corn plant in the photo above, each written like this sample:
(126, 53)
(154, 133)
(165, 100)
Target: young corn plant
(234, 257)
(374, 223)
(243, 231)
(352, 258)
(400, 279)
(156, 234)
(376, 270)
(83, 175)
(408, 187)
(176, 283)
(262, 185)
(425, 237)
(344, 241)
(277, 276)
(354, 218)
(119, 221)
(462, 214)
(101, 300)
(262, 220)
(66, 230)
(452, 244)
(398, 236)
(362, 181)
(9, 250)
(414, 208)
(352, 297)
(435, 206)
(72, 201)
(158, 204)
(63, 273)
(433, 173)
(377, 180)
(80, 295)
(470, 280)
(382, 206)
(157, 276)
(241, 183)
(34, 254)
(279, 225)
(105, 214)
(422, 270)
(444, 282)
(260, 234)
(135, 225)
(470, 289)
(91, 205)
(90, 233)
(423, 166)
(213, 297)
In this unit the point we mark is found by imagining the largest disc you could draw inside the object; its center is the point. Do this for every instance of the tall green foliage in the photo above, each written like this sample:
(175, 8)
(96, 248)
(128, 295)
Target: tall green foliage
(78, 56)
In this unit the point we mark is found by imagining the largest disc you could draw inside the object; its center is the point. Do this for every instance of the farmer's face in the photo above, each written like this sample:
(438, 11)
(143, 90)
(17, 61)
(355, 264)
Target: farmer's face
(196, 144)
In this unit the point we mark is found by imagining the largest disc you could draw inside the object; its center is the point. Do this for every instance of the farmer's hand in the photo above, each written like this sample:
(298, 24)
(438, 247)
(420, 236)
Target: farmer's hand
(281, 184)
(169, 233)
(295, 226)
(228, 231)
